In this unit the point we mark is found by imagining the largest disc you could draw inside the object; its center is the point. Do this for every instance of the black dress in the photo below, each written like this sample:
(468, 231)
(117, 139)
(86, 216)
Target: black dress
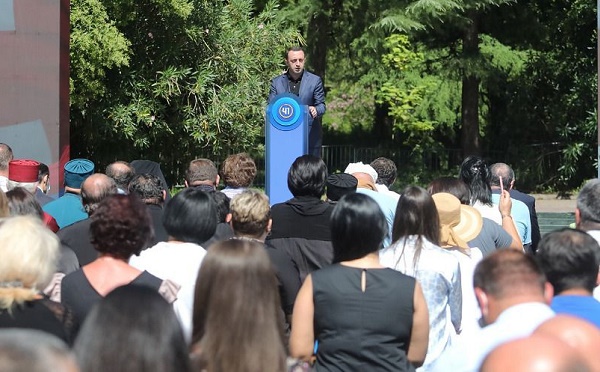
(78, 294)
(362, 331)
(42, 315)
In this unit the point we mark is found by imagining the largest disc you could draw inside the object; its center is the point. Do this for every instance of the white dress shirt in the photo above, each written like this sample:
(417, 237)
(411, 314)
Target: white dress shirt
(179, 262)
(515, 322)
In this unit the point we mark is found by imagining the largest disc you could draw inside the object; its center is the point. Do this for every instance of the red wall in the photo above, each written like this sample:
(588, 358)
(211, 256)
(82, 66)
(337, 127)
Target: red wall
(34, 83)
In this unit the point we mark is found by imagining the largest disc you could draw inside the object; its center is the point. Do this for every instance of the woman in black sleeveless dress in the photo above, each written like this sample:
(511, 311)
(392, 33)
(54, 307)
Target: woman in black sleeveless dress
(364, 316)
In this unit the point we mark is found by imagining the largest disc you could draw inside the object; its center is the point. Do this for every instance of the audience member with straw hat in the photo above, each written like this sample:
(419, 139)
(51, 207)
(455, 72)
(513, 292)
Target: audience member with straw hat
(459, 224)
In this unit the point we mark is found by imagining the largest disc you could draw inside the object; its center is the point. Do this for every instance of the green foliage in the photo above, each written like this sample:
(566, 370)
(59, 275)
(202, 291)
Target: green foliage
(197, 81)
(96, 46)
(174, 79)
(420, 97)
(402, 95)
(552, 100)
(350, 108)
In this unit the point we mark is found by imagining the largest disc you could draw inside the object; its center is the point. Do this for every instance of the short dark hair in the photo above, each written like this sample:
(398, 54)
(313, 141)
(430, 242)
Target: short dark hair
(148, 187)
(451, 185)
(570, 259)
(476, 174)
(295, 48)
(132, 326)
(201, 170)
(307, 176)
(238, 170)
(43, 171)
(190, 216)
(358, 227)
(22, 203)
(121, 226)
(508, 272)
(386, 171)
(588, 203)
(222, 203)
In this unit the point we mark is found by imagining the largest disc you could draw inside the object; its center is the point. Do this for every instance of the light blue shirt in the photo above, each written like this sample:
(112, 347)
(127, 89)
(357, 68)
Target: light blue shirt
(388, 205)
(520, 214)
(438, 272)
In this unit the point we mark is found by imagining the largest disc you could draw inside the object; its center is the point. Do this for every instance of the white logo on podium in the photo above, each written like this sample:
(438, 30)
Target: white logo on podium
(286, 111)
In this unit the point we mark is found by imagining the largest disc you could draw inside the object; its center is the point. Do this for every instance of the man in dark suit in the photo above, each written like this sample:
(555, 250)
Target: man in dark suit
(76, 236)
(43, 185)
(149, 189)
(309, 89)
(506, 172)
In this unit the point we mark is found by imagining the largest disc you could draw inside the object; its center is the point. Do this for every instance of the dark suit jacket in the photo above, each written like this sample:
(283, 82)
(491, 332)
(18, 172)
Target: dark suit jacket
(160, 234)
(311, 94)
(42, 198)
(77, 237)
(530, 203)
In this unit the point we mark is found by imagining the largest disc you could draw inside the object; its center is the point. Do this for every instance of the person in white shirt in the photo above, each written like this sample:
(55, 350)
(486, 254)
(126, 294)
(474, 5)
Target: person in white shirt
(513, 295)
(415, 251)
(458, 225)
(190, 218)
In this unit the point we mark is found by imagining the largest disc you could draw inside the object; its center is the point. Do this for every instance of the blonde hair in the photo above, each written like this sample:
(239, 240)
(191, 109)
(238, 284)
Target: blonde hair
(250, 213)
(29, 254)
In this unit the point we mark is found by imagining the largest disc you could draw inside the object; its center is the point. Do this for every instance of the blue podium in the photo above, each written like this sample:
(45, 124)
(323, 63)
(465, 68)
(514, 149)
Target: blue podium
(286, 138)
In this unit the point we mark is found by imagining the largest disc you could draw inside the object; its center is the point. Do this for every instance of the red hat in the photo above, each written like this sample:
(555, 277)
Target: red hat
(23, 170)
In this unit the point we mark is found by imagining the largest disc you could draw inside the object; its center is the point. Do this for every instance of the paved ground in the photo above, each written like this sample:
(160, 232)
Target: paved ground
(548, 203)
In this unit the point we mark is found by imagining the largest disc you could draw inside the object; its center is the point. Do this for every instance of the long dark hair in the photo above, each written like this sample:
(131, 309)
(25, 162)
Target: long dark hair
(237, 313)
(476, 174)
(416, 214)
(132, 329)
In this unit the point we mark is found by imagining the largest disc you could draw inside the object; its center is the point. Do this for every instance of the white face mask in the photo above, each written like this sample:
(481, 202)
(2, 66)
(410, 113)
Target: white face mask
(48, 189)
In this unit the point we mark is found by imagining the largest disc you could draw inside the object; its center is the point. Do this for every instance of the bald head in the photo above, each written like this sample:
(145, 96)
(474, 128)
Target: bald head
(534, 354)
(121, 172)
(95, 189)
(577, 333)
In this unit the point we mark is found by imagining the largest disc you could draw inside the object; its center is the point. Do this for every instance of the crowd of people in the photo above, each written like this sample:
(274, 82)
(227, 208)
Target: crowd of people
(348, 275)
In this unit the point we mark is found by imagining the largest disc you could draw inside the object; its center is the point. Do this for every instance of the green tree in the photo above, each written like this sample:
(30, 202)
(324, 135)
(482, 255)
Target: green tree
(560, 88)
(404, 92)
(96, 46)
(454, 25)
(196, 82)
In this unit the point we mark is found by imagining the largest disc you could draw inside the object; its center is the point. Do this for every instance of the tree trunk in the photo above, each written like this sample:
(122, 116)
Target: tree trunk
(470, 139)
(317, 38)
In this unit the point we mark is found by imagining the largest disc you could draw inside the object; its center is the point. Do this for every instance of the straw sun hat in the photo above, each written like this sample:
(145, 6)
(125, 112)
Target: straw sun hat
(458, 223)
